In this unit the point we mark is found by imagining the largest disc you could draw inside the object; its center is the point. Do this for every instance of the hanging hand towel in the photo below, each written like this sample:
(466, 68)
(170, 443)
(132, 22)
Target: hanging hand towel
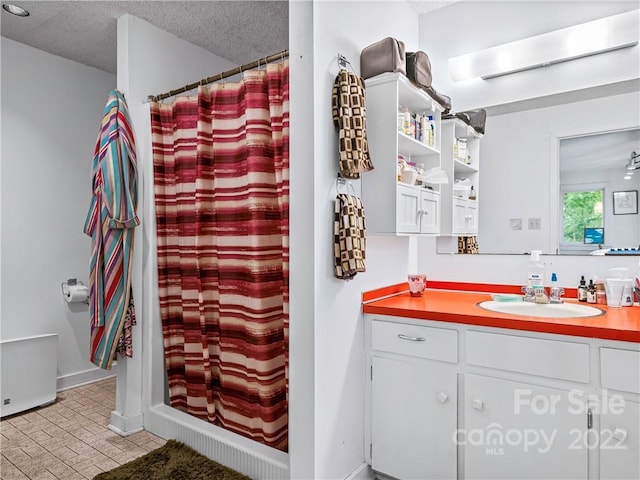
(349, 117)
(349, 236)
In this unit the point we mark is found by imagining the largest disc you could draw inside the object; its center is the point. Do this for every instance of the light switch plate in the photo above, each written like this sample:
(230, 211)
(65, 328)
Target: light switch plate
(535, 223)
(516, 223)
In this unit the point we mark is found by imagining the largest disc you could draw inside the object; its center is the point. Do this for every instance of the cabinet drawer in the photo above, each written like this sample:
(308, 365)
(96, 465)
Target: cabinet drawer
(535, 356)
(620, 369)
(418, 341)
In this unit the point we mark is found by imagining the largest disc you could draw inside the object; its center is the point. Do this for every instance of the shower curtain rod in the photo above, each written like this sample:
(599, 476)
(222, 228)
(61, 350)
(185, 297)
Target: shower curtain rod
(220, 76)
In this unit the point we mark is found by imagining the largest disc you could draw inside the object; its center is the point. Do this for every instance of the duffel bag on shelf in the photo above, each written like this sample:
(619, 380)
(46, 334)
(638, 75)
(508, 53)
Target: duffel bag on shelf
(419, 69)
(386, 55)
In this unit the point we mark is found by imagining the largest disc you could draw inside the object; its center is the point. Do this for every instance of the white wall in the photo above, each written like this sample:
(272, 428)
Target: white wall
(519, 172)
(51, 112)
(346, 28)
(468, 26)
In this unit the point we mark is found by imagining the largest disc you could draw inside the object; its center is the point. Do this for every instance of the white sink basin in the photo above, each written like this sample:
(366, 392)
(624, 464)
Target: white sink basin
(549, 310)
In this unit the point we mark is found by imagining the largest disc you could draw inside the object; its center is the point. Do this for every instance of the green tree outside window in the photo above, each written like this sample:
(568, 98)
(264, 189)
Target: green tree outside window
(581, 210)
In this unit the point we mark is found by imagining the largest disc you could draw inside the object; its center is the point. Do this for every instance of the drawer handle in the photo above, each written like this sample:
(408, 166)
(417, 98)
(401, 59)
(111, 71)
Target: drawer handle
(620, 434)
(443, 397)
(478, 404)
(402, 336)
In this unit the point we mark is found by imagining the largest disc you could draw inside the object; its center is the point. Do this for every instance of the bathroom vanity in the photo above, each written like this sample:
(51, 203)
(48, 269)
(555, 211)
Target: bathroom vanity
(456, 391)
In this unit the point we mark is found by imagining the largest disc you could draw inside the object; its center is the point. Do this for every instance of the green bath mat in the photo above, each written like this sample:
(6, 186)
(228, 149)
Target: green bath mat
(172, 461)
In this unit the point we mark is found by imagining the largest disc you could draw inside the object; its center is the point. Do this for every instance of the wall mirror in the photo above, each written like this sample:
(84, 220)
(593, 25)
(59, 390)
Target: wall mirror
(533, 160)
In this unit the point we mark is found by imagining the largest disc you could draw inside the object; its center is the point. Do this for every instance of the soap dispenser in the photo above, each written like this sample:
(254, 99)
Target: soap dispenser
(536, 270)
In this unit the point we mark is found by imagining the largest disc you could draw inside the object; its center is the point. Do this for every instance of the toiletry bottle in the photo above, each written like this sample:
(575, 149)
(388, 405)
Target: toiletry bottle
(582, 290)
(536, 270)
(432, 131)
(407, 122)
(472, 194)
(401, 119)
(555, 292)
(601, 294)
(591, 292)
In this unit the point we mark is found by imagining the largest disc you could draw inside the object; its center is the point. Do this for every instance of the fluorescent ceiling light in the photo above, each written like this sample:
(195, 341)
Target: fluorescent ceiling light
(591, 38)
(15, 10)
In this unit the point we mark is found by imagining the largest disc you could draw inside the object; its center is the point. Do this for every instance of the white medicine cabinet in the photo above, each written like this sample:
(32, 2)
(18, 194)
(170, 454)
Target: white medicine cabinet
(460, 159)
(396, 203)
(400, 203)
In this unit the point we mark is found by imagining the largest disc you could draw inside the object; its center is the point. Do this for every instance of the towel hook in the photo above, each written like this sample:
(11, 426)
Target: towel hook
(343, 62)
(342, 182)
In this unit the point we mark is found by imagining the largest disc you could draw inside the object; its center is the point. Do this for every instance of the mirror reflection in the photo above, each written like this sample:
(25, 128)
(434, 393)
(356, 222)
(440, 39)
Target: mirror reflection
(592, 168)
(536, 161)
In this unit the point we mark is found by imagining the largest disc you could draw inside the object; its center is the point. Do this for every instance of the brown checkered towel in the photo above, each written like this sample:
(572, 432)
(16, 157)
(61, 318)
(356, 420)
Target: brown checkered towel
(349, 235)
(349, 117)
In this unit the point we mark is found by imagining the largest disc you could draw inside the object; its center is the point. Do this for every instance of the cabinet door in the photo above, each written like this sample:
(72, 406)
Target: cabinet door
(429, 212)
(471, 218)
(465, 217)
(413, 419)
(515, 430)
(407, 206)
(459, 212)
(619, 439)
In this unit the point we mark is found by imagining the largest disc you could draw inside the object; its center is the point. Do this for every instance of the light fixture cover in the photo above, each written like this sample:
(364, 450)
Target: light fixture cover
(15, 10)
(590, 38)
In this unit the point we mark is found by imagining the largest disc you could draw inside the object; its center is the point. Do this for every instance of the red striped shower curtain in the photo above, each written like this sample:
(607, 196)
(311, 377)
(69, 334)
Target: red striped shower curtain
(221, 167)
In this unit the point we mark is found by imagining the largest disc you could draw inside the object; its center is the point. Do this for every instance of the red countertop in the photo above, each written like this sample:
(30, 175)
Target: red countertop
(460, 306)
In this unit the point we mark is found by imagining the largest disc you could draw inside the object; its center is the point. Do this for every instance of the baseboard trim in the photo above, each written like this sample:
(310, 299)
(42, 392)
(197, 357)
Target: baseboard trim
(124, 425)
(73, 380)
(363, 472)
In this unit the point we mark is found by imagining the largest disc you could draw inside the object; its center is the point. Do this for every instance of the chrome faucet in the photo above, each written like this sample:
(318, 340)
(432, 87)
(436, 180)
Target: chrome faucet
(529, 294)
(556, 293)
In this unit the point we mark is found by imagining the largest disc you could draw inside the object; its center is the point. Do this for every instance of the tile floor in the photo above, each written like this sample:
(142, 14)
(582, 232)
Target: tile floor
(69, 439)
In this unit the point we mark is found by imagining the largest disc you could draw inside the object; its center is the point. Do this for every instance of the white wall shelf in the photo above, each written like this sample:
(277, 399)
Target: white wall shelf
(394, 207)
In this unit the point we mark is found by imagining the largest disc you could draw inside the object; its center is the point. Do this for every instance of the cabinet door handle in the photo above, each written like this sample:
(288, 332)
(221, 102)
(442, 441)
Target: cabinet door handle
(443, 397)
(423, 212)
(620, 434)
(478, 404)
(402, 336)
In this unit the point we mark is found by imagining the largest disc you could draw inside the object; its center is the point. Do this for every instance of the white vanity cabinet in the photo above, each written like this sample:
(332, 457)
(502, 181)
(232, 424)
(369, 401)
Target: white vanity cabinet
(393, 206)
(459, 213)
(447, 400)
(413, 401)
(519, 430)
(619, 433)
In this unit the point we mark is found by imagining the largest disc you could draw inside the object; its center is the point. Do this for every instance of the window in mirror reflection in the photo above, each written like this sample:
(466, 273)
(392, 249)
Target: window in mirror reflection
(581, 210)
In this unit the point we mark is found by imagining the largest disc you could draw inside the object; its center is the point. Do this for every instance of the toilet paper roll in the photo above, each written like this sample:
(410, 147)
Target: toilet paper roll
(76, 293)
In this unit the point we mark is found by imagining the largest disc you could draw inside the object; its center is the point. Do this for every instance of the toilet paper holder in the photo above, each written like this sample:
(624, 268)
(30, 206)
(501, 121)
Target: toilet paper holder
(64, 286)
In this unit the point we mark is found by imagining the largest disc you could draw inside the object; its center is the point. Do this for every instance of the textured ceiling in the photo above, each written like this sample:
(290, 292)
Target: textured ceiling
(85, 31)
(427, 5)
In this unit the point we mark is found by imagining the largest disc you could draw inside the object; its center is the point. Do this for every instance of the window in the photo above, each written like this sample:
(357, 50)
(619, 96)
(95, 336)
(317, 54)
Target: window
(581, 210)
